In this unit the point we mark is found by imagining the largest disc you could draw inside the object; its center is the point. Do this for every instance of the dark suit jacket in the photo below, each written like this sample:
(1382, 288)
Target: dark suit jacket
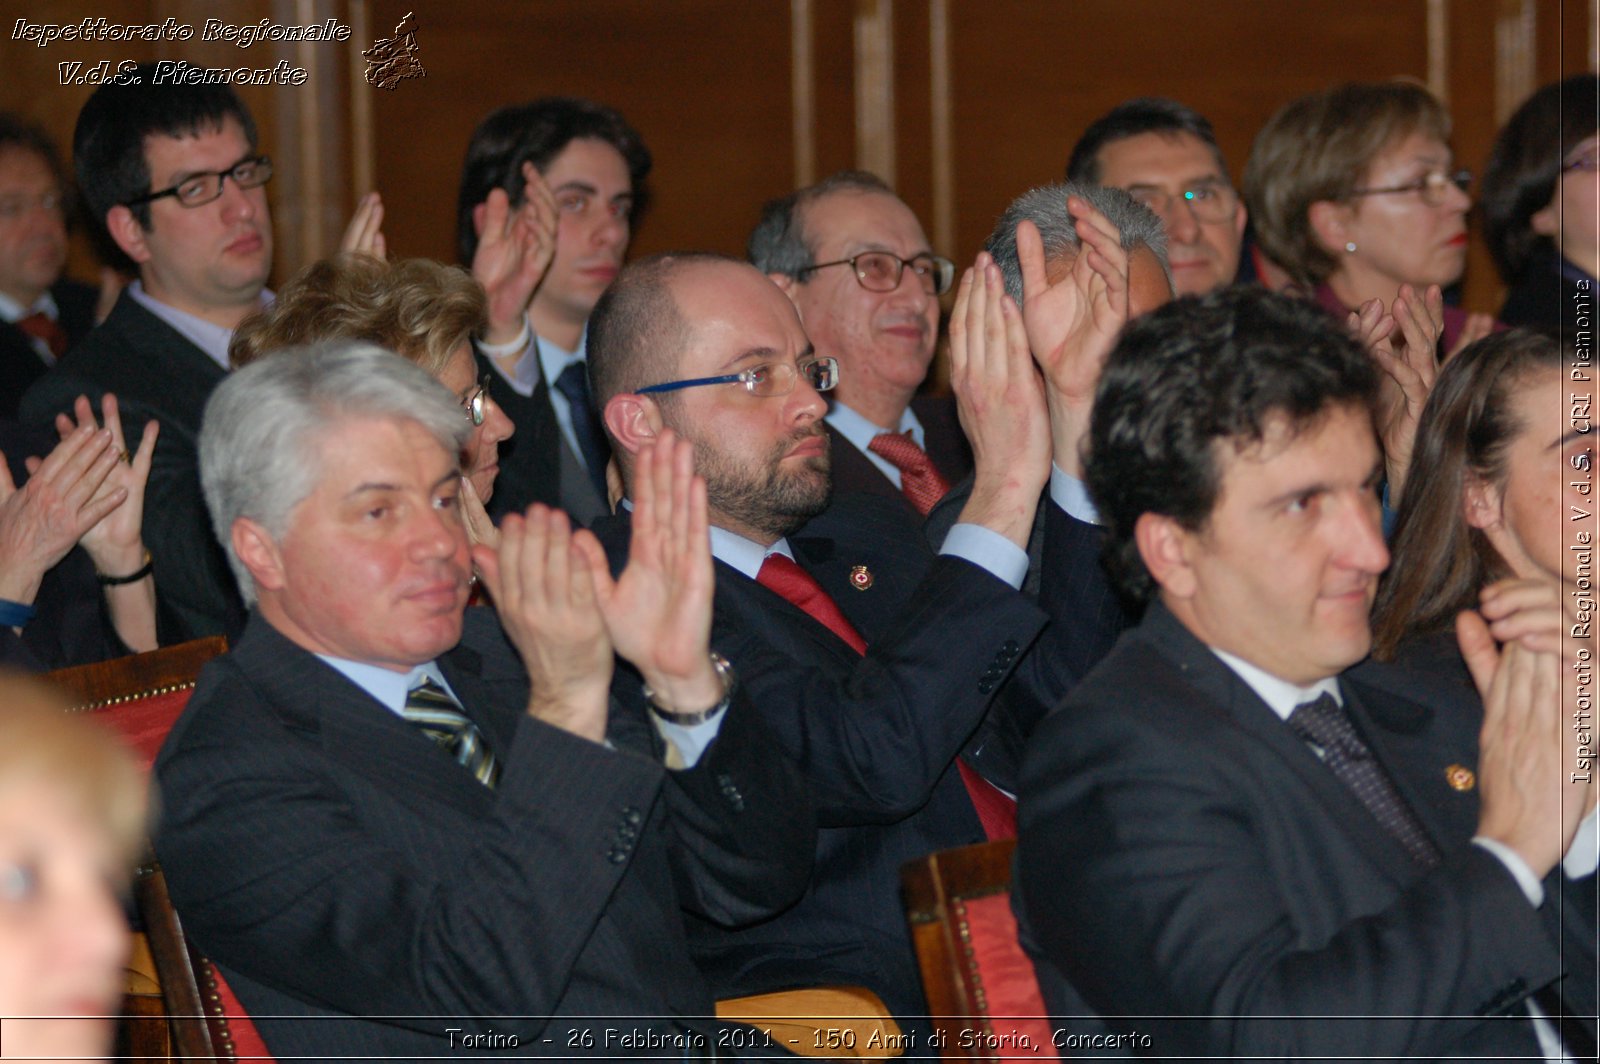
(70, 624)
(156, 373)
(537, 464)
(1202, 877)
(875, 736)
(852, 470)
(20, 364)
(339, 867)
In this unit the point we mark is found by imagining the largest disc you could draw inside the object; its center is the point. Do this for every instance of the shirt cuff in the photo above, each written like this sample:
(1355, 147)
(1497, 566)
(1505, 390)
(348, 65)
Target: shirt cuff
(1584, 853)
(1531, 887)
(1069, 493)
(513, 347)
(989, 551)
(690, 741)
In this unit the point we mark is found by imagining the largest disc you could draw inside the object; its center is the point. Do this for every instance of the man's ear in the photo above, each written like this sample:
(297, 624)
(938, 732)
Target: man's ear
(787, 285)
(1547, 220)
(259, 553)
(1163, 547)
(1481, 503)
(128, 233)
(1241, 216)
(478, 213)
(1331, 225)
(633, 420)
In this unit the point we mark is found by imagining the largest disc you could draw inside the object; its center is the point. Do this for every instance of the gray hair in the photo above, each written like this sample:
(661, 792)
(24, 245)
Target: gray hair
(259, 440)
(778, 242)
(1047, 208)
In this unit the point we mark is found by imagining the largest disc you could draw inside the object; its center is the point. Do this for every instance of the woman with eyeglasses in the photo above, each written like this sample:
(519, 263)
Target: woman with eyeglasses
(1539, 207)
(1355, 192)
(72, 807)
(422, 310)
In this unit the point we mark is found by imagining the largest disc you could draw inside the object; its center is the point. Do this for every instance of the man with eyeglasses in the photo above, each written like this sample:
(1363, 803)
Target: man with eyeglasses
(42, 314)
(871, 658)
(174, 175)
(854, 260)
(1165, 155)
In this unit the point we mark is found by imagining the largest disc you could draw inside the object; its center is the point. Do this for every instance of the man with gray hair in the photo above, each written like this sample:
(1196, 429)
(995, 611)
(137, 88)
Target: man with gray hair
(426, 830)
(854, 260)
(1060, 251)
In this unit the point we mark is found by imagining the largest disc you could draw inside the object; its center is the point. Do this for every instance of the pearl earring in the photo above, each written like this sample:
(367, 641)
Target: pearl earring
(1350, 246)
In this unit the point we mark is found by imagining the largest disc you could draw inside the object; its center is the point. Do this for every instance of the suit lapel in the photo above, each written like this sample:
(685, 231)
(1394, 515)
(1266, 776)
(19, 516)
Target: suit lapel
(1223, 689)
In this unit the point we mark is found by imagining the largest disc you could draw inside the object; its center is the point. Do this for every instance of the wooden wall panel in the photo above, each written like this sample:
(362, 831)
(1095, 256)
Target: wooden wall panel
(707, 83)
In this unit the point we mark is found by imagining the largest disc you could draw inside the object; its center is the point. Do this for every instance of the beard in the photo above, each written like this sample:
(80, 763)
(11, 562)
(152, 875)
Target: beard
(763, 496)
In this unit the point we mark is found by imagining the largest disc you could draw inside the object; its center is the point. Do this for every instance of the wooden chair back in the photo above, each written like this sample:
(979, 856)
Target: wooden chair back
(981, 987)
(140, 698)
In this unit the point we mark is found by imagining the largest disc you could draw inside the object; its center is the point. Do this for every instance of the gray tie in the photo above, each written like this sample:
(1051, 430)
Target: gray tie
(431, 709)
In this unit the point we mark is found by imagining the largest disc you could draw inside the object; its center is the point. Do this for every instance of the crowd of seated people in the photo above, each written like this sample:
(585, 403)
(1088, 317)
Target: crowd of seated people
(606, 636)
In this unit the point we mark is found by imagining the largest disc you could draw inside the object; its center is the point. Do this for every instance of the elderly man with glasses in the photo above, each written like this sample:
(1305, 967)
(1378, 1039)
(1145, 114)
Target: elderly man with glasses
(855, 262)
(174, 175)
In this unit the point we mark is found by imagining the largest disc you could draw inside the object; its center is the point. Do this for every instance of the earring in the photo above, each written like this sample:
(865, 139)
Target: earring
(1350, 246)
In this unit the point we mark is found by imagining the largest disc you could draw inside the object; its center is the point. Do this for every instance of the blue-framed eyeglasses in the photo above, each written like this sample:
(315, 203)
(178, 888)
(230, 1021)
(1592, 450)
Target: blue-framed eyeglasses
(769, 378)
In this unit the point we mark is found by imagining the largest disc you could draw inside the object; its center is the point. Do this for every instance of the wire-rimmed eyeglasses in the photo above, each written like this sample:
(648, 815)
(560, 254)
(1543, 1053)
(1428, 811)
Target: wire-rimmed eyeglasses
(880, 271)
(1434, 186)
(769, 378)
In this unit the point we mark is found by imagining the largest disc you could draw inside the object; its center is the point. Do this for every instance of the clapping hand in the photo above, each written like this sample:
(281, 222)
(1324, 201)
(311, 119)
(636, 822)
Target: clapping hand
(1404, 343)
(514, 250)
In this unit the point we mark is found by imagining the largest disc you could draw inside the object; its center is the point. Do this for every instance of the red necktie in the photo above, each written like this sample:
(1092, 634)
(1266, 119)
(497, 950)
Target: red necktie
(921, 483)
(43, 327)
(784, 577)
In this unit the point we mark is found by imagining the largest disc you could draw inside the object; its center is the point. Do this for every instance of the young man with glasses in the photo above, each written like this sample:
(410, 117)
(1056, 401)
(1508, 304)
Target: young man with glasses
(855, 262)
(871, 658)
(174, 175)
(1165, 155)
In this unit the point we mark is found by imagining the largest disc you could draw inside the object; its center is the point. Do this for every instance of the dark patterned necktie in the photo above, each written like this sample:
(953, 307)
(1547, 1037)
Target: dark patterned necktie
(783, 576)
(1325, 723)
(431, 709)
(592, 447)
(920, 481)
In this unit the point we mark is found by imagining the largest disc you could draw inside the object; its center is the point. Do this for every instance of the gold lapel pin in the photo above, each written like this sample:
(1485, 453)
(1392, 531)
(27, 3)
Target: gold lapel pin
(1460, 778)
(861, 577)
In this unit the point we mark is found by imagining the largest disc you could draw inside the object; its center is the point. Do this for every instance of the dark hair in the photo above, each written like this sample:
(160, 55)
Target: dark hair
(1146, 114)
(1319, 147)
(18, 132)
(1525, 166)
(778, 242)
(637, 331)
(108, 143)
(536, 133)
(1439, 562)
(1196, 372)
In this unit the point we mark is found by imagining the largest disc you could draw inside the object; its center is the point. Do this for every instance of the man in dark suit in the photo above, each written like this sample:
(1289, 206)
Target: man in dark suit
(1234, 844)
(41, 313)
(870, 657)
(855, 261)
(401, 834)
(173, 174)
(590, 165)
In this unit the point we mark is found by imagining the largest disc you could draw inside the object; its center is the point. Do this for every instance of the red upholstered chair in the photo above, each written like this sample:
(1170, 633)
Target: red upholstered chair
(140, 698)
(980, 984)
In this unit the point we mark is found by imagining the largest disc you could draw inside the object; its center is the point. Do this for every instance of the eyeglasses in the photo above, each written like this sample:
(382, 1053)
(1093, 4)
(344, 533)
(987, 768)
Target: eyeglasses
(1434, 186)
(477, 404)
(769, 378)
(197, 190)
(14, 207)
(880, 271)
(1211, 202)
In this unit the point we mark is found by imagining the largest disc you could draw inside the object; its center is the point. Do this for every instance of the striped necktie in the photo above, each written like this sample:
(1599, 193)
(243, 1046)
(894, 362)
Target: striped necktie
(431, 709)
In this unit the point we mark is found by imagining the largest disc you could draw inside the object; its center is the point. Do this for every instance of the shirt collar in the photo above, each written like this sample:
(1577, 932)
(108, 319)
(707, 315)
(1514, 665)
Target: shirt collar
(859, 431)
(552, 360)
(210, 338)
(387, 686)
(1281, 695)
(11, 310)
(732, 549)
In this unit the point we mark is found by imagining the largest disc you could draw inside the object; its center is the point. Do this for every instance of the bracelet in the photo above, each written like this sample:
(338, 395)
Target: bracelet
(132, 578)
(724, 670)
(14, 614)
(513, 346)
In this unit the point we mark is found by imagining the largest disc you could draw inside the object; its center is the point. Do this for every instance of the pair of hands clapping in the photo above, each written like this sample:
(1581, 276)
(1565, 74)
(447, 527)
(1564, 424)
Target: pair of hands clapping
(567, 615)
